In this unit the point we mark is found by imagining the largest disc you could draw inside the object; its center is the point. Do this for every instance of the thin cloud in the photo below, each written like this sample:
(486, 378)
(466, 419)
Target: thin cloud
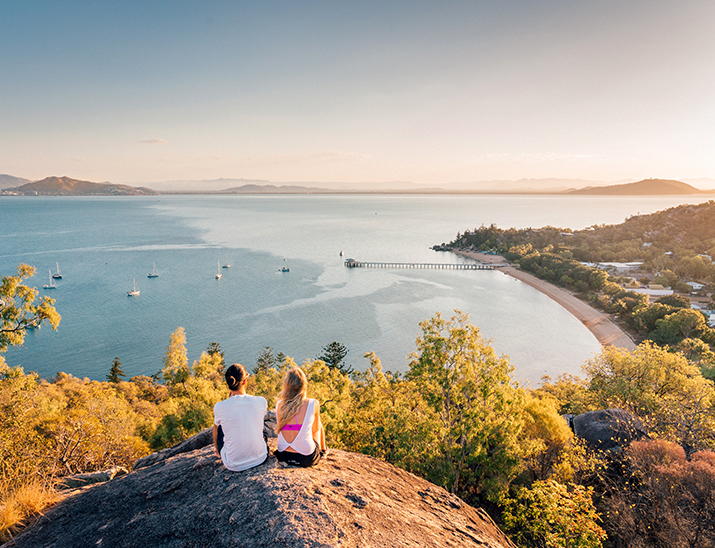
(154, 141)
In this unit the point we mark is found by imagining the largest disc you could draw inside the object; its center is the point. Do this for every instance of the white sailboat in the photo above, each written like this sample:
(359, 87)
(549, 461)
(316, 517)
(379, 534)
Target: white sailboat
(51, 285)
(134, 292)
(154, 273)
(218, 274)
(227, 265)
(58, 274)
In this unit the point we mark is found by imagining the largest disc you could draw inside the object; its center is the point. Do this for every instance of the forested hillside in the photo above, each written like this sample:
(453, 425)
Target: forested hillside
(666, 239)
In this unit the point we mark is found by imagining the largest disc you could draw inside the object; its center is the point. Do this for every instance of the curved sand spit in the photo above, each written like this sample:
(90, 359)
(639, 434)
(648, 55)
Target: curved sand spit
(605, 330)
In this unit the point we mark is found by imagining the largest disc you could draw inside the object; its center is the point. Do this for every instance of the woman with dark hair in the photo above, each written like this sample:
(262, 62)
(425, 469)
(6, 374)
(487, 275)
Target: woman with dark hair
(301, 437)
(238, 424)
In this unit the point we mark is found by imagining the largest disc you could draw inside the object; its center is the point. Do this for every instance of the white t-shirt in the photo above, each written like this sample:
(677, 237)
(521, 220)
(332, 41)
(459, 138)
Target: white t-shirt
(241, 419)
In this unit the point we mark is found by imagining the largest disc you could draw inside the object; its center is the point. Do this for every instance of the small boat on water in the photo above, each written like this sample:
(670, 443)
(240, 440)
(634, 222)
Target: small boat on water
(134, 292)
(154, 273)
(227, 265)
(285, 269)
(57, 275)
(51, 285)
(218, 274)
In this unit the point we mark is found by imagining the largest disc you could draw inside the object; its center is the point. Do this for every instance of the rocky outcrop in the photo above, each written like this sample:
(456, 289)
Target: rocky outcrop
(197, 441)
(608, 429)
(191, 500)
(82, 480)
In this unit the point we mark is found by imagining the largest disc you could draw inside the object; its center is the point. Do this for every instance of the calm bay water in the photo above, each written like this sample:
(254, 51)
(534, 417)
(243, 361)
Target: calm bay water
(102, 244)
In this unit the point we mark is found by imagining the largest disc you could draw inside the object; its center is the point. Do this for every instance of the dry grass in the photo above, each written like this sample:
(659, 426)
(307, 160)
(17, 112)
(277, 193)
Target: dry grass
(17, 509)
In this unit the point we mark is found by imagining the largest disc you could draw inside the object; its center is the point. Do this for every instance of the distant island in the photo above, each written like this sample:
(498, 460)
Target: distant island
(66, 186)
(646, 187)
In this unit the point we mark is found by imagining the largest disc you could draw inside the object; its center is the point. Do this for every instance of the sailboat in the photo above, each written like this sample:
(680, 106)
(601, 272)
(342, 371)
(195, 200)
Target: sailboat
(58, 274)
(227, 265)
(154, 273)
(51, 285)
(134, 292)
(218, 274)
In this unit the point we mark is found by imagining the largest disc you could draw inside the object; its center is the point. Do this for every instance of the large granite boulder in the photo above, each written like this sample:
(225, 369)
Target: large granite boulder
(608, 429)
(189, 500)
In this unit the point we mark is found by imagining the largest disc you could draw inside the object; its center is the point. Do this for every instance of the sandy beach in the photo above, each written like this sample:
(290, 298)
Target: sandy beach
(605, 330)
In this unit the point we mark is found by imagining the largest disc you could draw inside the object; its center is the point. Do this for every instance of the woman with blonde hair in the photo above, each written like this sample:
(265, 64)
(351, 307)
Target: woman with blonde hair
(301, 437)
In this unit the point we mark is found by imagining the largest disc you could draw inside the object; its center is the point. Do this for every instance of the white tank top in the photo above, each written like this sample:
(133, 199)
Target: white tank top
(303, 442)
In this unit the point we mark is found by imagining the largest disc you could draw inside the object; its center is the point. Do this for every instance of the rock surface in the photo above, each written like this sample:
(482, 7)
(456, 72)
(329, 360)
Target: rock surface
(191, 500)
(81, 480)
(608, 429)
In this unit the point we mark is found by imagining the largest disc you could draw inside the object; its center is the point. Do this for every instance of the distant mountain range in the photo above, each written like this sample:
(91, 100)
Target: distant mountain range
(646, 187)
(65, 186)
(8, 181)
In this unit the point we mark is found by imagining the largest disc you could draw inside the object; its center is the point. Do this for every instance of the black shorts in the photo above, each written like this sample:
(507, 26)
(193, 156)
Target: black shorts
(298, 459)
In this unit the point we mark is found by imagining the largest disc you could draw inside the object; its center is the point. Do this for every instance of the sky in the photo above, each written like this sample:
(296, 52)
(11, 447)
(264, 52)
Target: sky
(364, 91)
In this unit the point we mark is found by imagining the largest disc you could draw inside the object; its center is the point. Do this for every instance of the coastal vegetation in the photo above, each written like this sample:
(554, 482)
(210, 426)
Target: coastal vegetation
(671, 248)
(456, 418)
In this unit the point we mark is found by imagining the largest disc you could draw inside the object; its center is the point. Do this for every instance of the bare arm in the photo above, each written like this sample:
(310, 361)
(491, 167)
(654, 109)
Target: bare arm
(216, 441)
(318, 430)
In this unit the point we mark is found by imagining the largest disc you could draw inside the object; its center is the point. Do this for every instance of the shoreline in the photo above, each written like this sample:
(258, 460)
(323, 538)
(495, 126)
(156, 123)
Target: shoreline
(606, 331)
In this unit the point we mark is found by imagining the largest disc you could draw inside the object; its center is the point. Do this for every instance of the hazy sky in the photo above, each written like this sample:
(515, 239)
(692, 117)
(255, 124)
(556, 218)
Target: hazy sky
(423, 91)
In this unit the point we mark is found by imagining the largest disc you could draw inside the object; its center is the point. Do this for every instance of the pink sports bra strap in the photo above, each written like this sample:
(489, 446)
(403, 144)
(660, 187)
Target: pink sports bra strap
(293, 427)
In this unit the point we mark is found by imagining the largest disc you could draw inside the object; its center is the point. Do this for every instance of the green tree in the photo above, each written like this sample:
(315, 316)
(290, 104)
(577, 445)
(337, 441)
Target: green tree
(176, 363)
(661, 388)
(387, 415)
(334, 357)
(675, 301)
(479, 408)
(552, 515)
(116, 371)
(214, 350)
(266, 360)
(686, 323)
(18, 310)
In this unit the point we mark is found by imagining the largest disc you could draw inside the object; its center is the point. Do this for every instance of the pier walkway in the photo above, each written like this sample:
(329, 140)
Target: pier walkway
(351, 263)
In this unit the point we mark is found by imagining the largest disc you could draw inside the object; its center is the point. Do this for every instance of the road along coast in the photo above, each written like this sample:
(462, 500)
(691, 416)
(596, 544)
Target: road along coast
(603, 328)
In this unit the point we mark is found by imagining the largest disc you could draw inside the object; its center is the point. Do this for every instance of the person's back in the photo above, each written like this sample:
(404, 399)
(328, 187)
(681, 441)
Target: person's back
(238, 424)
(301, 437)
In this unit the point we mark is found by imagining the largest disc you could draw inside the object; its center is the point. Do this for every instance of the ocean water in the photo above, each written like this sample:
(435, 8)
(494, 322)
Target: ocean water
(103, 244)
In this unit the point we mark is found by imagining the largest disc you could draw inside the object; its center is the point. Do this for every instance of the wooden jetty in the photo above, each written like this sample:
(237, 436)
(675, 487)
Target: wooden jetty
(352, 263)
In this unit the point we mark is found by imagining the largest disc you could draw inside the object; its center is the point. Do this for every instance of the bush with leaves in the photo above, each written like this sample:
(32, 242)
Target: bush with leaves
(661, 388)
(553, 515)
(477, 405)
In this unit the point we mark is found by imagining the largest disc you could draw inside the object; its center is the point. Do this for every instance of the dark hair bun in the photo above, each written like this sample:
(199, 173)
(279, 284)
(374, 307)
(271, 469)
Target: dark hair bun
(235, 375)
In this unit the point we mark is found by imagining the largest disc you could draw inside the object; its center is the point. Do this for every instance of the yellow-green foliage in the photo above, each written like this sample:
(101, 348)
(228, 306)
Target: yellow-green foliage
(19, 311)
(570, 392)
(665, 391)
(479, 407)
(553, 515)
(389, 419)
